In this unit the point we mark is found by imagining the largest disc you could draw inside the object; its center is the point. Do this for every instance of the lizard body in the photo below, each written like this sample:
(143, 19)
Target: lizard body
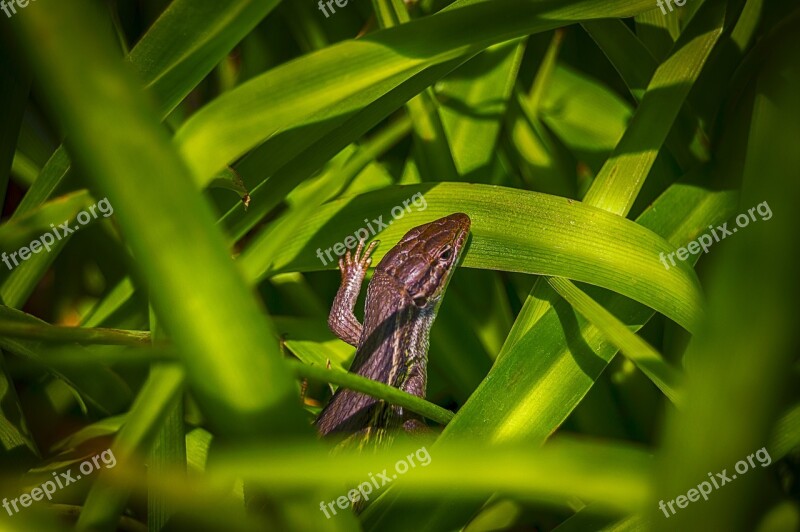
(403, 298)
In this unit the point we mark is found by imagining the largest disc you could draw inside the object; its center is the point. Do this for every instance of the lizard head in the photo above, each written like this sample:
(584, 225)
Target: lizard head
(425, 258)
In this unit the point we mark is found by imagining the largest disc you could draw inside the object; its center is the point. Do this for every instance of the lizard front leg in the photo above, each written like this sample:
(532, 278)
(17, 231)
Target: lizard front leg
(341, 320)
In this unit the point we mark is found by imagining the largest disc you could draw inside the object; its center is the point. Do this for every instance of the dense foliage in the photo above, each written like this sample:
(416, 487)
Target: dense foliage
(178, 178)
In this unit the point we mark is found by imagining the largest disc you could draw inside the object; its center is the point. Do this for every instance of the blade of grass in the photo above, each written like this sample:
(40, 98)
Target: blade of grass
(24, 169)
(248, 392)
(786, 434)
(188, 40)
(623, 174)
(51, 333)
(151, 407)
(18, 450)
(621, 178)
(172, 58)
(658, 30)
(168, 451)
(632, 346)
(375, 389)
(552, 236)
(99, 385)
(472, 103)
(332, 84)
(561, 469)
(21, 230)
(636, 66)
(751, 330)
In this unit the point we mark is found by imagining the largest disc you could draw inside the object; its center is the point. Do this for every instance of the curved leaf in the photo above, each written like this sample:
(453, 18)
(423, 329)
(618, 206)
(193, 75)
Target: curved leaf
(549, 236)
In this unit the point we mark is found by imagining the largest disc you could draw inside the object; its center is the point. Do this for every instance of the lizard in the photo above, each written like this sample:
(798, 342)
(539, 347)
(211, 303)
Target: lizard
(403, 298)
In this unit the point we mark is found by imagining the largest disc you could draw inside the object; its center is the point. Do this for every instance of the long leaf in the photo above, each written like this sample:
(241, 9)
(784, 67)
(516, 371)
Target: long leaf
(157, 207)
(636, 349)
(173, 56)
(551, 236)
(322, 89)
(621, 178)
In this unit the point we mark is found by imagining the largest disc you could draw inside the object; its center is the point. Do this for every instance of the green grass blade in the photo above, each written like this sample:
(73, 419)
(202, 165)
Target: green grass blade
(291, 158)
(658, 29)
(24, 169)
(559, 469)
(188, 40)
(786, 434)
(96, 383)
(18, 284)
(173, 56)
(431, 152)
(168, 450)
(19, 231)
(751, 331)
(551, 236)
(247, 391)
(571, 96)
(636, 66)
(473, 100)
(621, 178)
(104, 505)
(632, 346)
(375, 389)
(332, 84)
(18, 450)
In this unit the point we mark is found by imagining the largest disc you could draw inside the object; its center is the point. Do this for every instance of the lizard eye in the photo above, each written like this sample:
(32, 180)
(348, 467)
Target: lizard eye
(446, 253)
(420, 301)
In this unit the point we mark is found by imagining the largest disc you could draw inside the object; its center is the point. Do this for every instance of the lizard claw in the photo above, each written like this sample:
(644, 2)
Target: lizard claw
(357, 263)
